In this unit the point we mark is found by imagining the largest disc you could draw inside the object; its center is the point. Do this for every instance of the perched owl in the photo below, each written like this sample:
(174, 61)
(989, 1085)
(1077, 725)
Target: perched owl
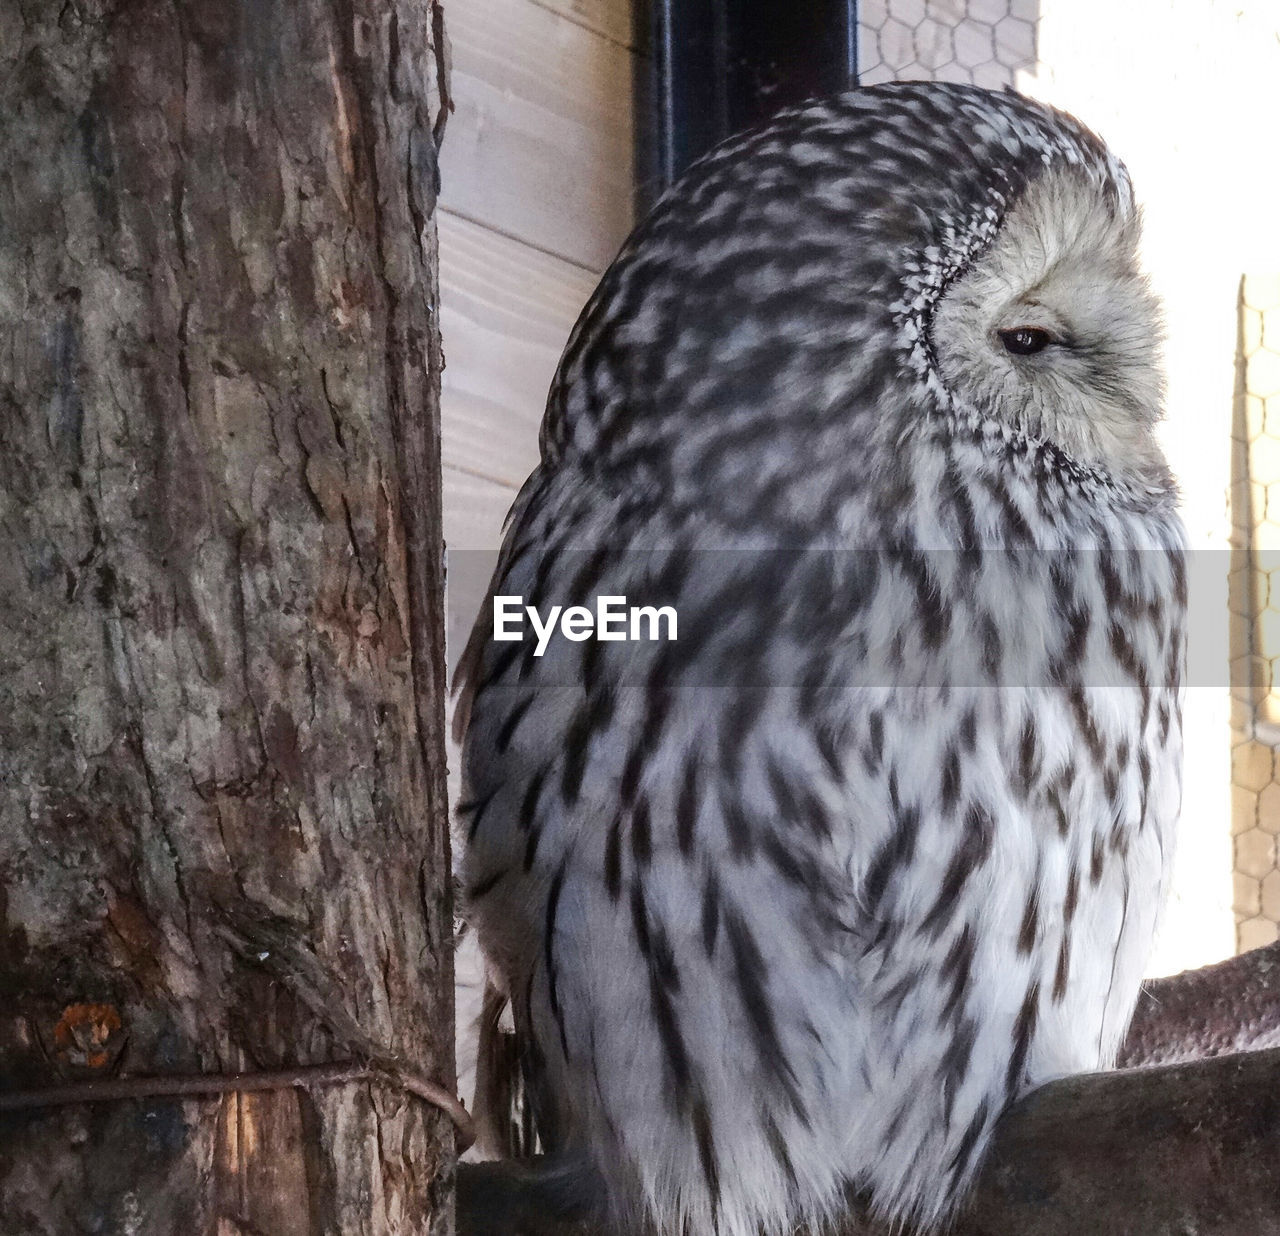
(790, 907)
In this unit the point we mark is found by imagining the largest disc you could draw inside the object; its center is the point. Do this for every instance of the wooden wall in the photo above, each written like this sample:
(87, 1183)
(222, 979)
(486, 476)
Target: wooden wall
(536, 198)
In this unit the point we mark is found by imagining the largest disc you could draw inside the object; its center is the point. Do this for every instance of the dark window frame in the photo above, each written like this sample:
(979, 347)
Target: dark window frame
(721, 66)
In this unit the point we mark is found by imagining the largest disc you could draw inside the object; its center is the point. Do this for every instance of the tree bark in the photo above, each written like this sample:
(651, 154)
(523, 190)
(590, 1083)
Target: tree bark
(1233, 1006)
(223, 833)
(1154, 1151)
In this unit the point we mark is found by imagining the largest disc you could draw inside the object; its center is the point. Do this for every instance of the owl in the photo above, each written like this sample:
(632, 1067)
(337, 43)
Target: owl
(791, 906)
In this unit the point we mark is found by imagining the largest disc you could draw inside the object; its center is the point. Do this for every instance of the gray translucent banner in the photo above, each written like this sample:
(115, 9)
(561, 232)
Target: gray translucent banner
(891, 617)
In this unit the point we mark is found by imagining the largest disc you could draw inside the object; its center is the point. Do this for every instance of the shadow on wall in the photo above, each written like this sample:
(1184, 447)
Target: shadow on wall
(1255, 613)
(984, 42)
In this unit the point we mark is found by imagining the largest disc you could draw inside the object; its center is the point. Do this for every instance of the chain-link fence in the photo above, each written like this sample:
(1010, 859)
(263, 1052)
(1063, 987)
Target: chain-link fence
(984, 42)
(1255, 614)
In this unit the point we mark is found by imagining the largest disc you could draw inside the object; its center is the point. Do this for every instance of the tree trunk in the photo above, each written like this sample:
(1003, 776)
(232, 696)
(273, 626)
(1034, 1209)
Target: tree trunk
(223, 834)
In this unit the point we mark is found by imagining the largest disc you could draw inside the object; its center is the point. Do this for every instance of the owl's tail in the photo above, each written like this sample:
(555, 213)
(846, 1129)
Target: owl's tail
(515, 1113)
(506, 1126)
(555, 1185)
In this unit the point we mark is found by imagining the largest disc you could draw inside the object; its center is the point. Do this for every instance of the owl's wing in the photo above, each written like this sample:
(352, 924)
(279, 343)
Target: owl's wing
(659, 860)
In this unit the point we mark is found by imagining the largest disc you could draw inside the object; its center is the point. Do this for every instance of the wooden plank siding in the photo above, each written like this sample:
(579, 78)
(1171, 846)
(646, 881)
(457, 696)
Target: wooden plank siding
(536, 197)
(612, 18)
(506, 311)
(539, 147)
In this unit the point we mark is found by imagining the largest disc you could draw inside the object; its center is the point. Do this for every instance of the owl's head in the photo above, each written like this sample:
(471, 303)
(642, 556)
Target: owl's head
(899, 257)
(1053, 330)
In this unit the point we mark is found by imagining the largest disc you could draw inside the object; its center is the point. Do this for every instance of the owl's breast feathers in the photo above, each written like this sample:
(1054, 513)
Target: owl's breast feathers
(892, 820)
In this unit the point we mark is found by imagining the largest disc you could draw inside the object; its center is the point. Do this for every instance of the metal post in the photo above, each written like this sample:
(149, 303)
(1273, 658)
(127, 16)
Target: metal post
(720, 66)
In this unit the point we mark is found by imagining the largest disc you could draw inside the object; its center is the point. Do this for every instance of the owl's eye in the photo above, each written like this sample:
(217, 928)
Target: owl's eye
(1025, 340)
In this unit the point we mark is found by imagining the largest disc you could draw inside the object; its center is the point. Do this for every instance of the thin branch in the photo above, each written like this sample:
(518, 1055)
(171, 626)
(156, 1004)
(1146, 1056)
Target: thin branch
(206, 1085)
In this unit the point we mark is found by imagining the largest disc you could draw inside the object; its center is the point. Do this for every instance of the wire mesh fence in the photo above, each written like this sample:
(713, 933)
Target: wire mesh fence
(983, 42)
(1254, 592)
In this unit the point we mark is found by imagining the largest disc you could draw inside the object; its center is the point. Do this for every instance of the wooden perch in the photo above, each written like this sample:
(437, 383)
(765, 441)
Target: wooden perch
(1231, 1007)
(1155, 1148)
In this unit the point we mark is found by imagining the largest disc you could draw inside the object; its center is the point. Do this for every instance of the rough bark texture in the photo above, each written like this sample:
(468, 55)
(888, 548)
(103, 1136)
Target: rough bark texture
(223, 838)
(1152, 1151)
(1231, 1007)
(1190, 1148)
